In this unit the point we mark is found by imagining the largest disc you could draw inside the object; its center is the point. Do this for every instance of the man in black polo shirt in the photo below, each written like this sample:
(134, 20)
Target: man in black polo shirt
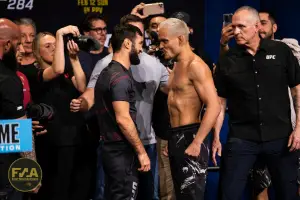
(11, 99)
(115, 104)
(253, 78)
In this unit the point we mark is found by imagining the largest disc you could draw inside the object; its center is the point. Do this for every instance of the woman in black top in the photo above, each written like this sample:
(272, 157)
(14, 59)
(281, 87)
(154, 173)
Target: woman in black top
(62, 152)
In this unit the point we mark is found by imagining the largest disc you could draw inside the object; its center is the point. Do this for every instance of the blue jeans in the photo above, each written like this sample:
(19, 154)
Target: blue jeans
(239, 157)
(100, 179)
(148, 189)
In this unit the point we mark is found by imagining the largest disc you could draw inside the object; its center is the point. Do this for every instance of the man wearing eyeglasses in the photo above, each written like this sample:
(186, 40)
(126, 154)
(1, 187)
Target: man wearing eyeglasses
(94, 26)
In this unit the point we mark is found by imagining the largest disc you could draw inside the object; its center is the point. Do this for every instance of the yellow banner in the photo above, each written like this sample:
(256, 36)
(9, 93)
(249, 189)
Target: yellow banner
(92, 5)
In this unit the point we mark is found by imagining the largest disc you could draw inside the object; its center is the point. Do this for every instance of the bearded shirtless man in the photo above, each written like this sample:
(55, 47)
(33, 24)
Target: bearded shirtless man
(190, 88)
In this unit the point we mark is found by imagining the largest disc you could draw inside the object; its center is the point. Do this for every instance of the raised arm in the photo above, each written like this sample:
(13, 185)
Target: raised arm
(200, 75)
(58, 65)
(79, 79)
(226, 35)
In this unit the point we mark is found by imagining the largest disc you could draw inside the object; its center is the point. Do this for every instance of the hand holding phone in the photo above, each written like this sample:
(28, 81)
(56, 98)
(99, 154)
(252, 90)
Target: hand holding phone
(227, 19)
(153, 9)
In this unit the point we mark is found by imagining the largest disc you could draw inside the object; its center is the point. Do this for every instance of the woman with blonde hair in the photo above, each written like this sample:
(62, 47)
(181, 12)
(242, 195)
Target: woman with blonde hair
(61, 152)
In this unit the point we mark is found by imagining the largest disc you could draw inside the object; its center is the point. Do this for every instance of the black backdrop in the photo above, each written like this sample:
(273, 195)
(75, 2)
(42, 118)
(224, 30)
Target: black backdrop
(50, 15)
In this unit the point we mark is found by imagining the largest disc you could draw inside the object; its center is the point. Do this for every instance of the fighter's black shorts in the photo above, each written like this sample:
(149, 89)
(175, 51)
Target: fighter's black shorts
(188, 173)
(121, 174)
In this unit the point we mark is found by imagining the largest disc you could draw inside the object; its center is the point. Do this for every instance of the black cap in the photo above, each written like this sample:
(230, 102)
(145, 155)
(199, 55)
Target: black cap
(182, 16)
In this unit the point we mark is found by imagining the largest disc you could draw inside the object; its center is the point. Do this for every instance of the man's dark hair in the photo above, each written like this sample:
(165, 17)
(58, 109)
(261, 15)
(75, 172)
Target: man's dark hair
(130, 18)
(271, 16)
(86, 24)
(121, 32)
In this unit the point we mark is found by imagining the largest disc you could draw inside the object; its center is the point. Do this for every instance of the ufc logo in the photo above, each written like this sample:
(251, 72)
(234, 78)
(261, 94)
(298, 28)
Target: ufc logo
(269, 57)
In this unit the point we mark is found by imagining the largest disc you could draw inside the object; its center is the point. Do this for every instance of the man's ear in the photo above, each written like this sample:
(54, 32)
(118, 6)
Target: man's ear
(127, 43)
(181, 40)
(274, 27)
(7, 45)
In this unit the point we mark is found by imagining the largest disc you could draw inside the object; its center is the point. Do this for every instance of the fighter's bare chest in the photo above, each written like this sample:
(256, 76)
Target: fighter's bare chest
(179, 81)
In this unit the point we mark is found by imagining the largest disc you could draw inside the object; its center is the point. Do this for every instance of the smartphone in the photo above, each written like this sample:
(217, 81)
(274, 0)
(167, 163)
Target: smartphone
(154, 9)
(227, 18)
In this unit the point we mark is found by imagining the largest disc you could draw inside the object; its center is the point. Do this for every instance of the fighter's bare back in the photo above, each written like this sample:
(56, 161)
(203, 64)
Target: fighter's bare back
(184, 103)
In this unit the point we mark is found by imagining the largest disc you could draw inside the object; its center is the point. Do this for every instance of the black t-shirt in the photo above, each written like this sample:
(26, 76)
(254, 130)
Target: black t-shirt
(89, 60)
(114, 84)
(66, 128)
(11, 107)
(31, 72)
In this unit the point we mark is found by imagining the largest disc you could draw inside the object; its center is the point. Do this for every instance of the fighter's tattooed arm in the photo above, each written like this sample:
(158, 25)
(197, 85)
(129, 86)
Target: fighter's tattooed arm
(296, 100)
(294, 139)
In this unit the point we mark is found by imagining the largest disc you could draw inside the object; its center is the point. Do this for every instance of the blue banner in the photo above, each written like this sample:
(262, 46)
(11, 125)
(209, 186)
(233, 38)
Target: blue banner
(15, 136)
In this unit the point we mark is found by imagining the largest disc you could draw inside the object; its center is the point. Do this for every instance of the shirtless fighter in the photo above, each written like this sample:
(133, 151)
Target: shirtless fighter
(190, 87)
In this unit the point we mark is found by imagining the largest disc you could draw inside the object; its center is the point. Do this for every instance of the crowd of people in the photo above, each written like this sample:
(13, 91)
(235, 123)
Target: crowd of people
(131, 121)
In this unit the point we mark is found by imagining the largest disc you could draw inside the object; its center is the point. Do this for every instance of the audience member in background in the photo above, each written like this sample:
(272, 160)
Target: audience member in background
(265, 136)
(28, 32)
(26, 89)
(94, 26)
(261, 179)
(27, 65)
(150, 75)
(152, 24)
(11, 93)
(161, 119)
(64, 153)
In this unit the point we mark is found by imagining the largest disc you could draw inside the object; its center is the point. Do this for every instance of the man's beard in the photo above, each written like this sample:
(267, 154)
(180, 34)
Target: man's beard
(9, 59)
(134, 56)
(268, 35)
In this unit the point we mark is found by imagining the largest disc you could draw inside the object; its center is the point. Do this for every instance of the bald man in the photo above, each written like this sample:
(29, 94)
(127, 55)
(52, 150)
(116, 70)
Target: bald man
(190, 87)
(11, 99)
(253, 79)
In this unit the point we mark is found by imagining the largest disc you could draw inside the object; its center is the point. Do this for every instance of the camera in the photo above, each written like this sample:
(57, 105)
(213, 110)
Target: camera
(158, 52)
(85, 43)
(40, 112)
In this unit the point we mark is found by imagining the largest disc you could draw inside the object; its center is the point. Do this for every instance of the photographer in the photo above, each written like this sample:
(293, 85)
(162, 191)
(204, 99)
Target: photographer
(62, 151)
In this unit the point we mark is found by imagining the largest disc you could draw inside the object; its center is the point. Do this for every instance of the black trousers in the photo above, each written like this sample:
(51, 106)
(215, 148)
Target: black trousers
(68, 173)
(188, 173)
(121, 174)
(239, 157)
